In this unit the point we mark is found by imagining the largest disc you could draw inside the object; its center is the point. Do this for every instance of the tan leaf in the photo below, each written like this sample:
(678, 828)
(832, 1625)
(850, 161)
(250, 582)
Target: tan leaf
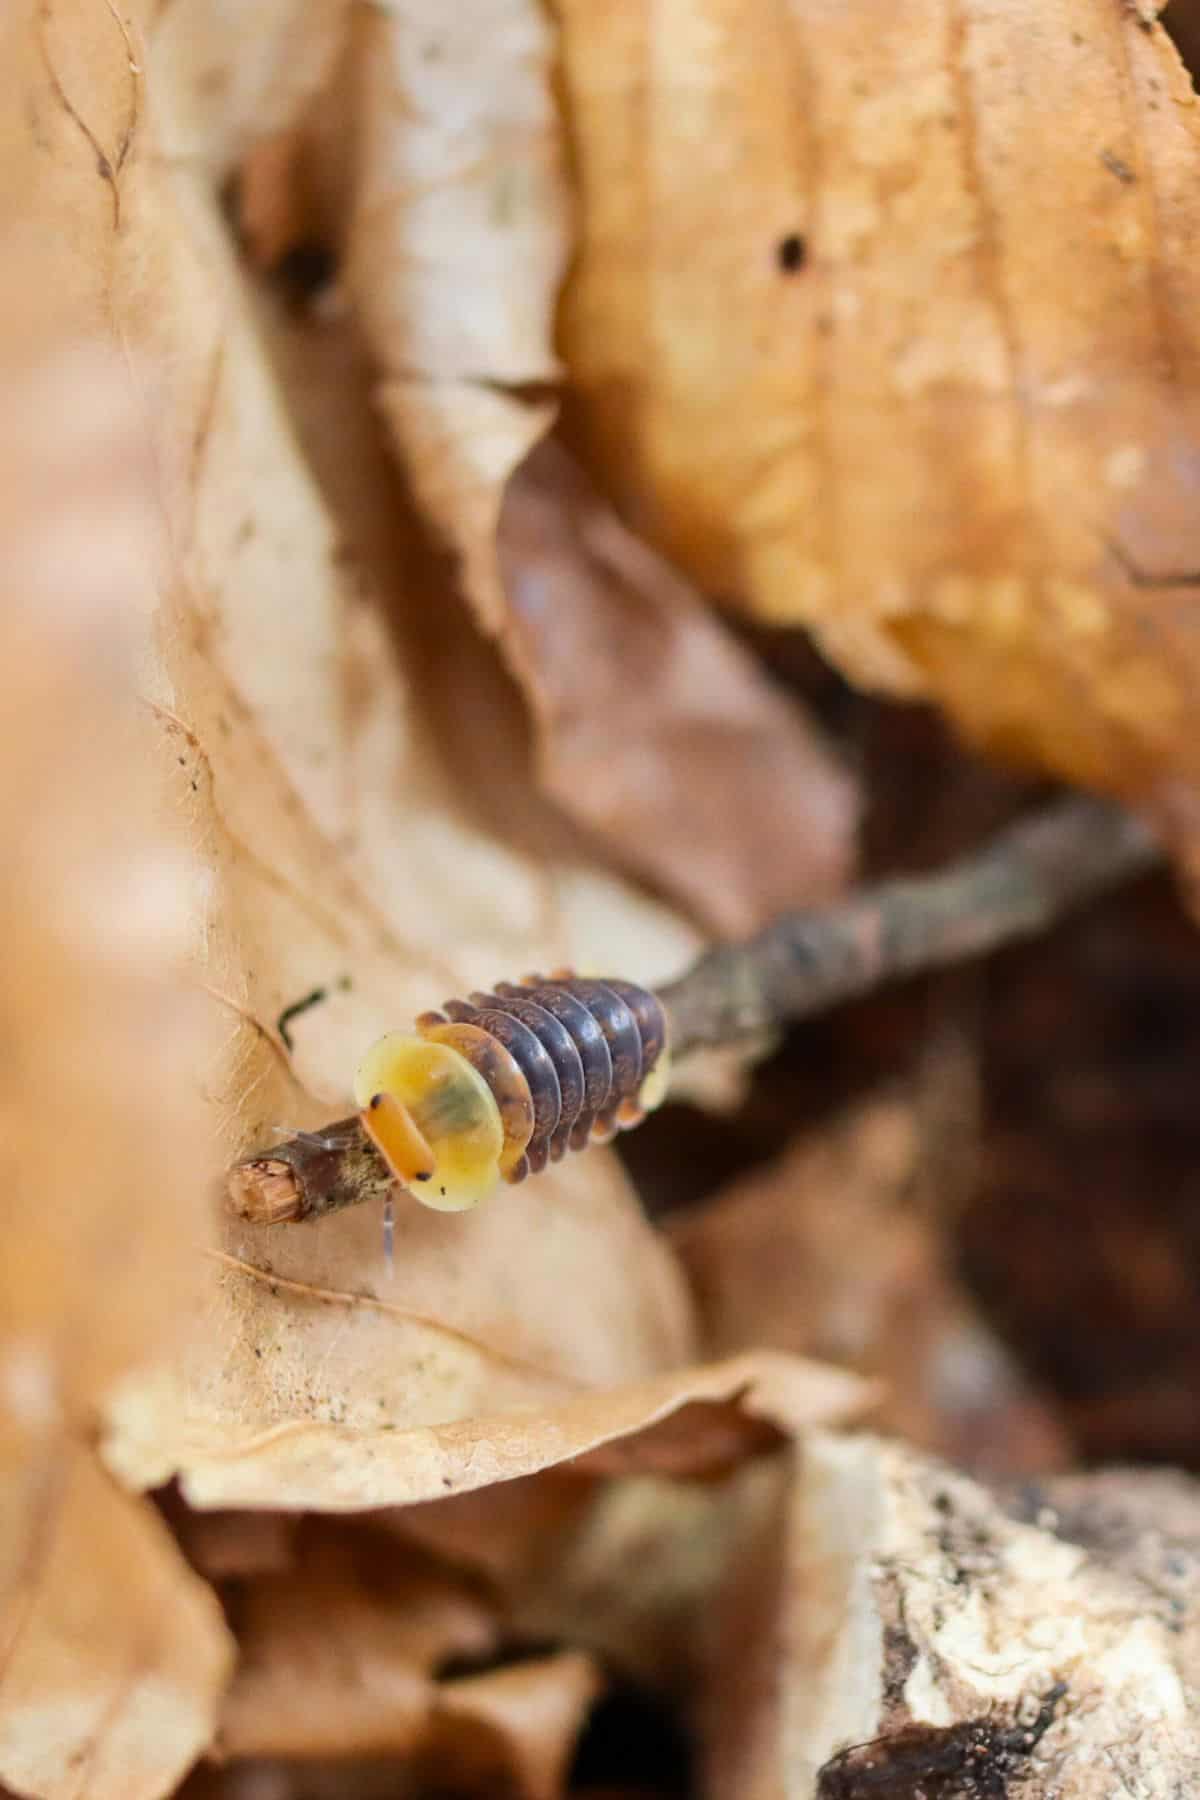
(830, 1252)
(320, 770)
(341, 1661)
(112, 1655)
(342, 1657)
(232, 83)
(705, 1417)
(655, 729)
(931, 386)
(634, 1574)
(628, 1569)
(456, 245)
(514, 1729)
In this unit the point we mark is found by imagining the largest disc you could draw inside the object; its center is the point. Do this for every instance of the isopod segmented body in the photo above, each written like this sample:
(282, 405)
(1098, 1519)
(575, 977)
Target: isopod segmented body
(493, 1087)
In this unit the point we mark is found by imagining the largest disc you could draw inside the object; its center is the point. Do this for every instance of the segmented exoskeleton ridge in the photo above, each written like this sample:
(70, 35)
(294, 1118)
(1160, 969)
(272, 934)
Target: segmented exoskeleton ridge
(583, 1046)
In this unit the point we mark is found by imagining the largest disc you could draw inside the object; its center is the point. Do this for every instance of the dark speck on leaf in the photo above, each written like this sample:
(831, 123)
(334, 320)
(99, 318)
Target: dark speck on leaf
(791, 253)
(1116, 165)
(305, 270)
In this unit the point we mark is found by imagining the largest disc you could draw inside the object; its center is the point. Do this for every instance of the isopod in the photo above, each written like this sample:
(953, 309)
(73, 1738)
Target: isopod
(494, 1087)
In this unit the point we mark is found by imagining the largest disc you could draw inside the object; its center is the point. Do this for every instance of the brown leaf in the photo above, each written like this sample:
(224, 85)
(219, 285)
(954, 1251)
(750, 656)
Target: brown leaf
(347, 855)
(454, 248)
(655, 729)
(711, 1414)
(932, 386)
(112, 1654)
(829, 1252)
(634, 1574)
(344, 1657)
(456, 245)
(513, 1730)
(233, 83)
(628, 1569)
(340, 1659)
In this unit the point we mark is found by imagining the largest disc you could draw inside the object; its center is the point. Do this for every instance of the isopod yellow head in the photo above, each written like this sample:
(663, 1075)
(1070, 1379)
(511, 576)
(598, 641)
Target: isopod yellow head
(433, 1119)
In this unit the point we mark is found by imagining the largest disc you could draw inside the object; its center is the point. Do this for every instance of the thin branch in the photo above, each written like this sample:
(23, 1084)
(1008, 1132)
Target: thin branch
(1020, 884)
(1024, 881)
(310, 1175)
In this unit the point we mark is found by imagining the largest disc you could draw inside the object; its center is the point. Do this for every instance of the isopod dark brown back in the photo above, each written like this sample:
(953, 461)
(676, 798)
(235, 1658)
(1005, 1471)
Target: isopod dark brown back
(493, 1087)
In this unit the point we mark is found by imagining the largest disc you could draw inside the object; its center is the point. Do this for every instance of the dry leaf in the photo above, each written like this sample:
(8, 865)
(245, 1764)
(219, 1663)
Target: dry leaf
(344, 855)
(339, 1658)
(233, 86)
(931, 386)
(610, 647)
(905, 1634)
(347, 1657)
(113, 1655)
(711, 1414)
(347, 856)
(655, 729)
(226, 1546)
(513, 1730)
(627, 1569)
(829, 1253)
(633, 1576)
(456, 246)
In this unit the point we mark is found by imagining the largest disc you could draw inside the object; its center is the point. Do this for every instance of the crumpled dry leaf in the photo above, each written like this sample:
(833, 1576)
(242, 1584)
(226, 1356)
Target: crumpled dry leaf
(905, 1634)
(695, 1419)
(456, 246)
(932, 385)
(830, 1252)
(609, 646)
(627, 1569)
(105, 1149)
(654, 727)
(513, 1730)
(341, 1658)
(348, 1654)
(232, 83)
(115, 1655)
(634, 1574)
(349, 854)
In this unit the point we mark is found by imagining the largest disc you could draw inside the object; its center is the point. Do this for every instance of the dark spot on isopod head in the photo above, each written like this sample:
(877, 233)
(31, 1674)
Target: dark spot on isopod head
(791, 253)
(425, 1175)
(376, 1101)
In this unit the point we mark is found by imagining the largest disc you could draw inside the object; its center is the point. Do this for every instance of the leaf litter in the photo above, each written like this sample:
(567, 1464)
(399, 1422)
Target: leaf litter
(382, 638)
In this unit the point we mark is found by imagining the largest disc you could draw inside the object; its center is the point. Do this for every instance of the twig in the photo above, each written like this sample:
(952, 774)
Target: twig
(310, 1175)
(805, 962)
(1026, 879)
